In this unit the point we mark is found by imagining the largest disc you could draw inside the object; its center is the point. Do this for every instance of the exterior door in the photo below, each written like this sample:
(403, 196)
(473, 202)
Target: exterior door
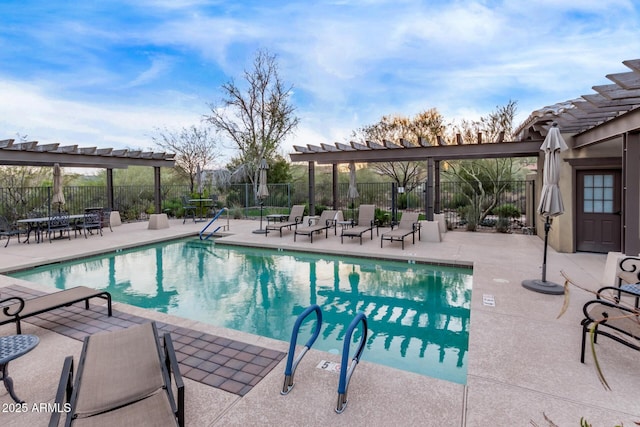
(598, 219)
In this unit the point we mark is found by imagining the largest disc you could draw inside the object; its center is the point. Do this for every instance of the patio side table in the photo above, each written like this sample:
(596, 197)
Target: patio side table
(12, 347)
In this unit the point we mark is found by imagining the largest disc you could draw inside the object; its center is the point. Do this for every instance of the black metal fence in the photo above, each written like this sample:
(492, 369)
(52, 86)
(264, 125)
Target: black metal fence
(462, 208)
(133, 202)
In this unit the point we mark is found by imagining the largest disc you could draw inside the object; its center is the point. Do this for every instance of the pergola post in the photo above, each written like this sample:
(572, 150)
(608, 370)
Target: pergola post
(631, 194)
(156, 190)
(428, 194)
(334, 170)
(312, 185)
(436, 187)
(110, 203)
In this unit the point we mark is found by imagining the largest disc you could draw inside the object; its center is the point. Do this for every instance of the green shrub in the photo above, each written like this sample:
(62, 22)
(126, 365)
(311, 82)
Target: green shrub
(507, 211)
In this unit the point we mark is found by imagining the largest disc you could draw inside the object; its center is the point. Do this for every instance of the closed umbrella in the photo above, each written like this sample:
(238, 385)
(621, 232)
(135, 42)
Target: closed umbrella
(58, 194)
(352, 193)
(550, 204)
(263, 190)
(199, 180)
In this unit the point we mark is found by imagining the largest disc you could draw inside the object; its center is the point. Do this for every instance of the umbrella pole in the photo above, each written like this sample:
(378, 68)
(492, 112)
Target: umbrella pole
(261, 230)
(547, 227)
(543, 286)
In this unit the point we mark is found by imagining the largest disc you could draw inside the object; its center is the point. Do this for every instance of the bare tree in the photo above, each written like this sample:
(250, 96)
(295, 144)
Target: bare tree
(426, 125)
(256, 120)
(195, 147)
(484, 180)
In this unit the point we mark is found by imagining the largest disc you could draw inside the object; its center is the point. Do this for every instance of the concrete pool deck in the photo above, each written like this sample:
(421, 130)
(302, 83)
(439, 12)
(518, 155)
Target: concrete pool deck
(523, 363)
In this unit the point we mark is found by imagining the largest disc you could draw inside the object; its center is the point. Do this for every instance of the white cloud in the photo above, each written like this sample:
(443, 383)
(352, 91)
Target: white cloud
(350, 62)
(48, 119)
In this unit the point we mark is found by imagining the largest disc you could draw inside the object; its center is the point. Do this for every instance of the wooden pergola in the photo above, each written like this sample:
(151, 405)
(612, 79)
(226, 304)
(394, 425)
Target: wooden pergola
(33, 154)
(611, 114)
(422, 150)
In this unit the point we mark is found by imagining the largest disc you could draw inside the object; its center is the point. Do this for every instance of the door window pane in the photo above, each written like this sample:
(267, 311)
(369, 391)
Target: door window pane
(598, 193)
(588, 206)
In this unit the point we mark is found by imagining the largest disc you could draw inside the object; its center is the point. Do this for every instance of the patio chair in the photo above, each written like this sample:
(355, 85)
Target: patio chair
(366, 222)
(58, 223)
(8, 230)
(189, 210)
(92, 221)
(611, 318)
(123, 377)
(14, 309)
(408, 225)
(326, 221)
(628, 275)
(295, 218)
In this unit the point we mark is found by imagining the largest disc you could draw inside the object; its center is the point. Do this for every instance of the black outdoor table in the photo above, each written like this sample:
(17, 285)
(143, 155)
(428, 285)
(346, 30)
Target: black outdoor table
(12, 347)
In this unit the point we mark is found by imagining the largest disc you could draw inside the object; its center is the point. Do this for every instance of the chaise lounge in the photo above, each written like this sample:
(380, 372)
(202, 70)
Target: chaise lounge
(366, 222)
(14, 309)
(295, 218)
(326, 221)
(8, 230)
(612, 318)
(123, 377)
(408, 225)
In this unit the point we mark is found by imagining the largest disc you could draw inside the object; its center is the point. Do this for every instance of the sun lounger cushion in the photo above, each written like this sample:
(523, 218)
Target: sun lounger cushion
(154, 411)
(295, 218)
(11, 311)
(125, 367)
(366, 222)
(123, 378)
(408, 225)
(326, 221)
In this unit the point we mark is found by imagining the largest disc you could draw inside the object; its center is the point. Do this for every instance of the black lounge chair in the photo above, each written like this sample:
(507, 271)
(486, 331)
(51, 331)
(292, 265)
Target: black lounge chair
(612, 318)
(9, 230)
(408, 225)
(366, 222)
(295, 218)
(326, 221)
(122, 377)
(14, 309)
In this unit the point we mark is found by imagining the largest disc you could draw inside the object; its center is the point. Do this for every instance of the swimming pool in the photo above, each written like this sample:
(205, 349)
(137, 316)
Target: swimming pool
(418, 314)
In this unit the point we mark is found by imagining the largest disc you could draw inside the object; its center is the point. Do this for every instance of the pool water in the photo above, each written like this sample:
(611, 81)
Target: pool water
(418, 314)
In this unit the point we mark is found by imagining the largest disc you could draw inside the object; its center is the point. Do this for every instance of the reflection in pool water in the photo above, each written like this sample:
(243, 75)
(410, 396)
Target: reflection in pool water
(418, 314)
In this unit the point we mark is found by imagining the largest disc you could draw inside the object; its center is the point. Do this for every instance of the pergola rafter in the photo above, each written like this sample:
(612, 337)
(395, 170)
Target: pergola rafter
(31, 153)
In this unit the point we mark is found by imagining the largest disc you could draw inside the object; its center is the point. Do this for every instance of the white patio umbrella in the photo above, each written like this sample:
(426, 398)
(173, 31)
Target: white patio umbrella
(199, 180)
(550, 204)
(58, 194)
(352, 193)
(263, 190)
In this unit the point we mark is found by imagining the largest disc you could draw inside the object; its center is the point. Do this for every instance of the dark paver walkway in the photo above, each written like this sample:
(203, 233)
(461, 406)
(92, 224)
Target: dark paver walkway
(232, 366)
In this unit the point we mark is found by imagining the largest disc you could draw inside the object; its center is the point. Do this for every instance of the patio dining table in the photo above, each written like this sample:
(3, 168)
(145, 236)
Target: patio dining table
(202, 205)
(34, 224)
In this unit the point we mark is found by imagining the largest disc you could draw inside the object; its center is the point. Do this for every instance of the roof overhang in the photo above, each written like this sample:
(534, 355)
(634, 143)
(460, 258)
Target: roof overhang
(629, 122)
(31, 154)
(605, 115)
(341, 153)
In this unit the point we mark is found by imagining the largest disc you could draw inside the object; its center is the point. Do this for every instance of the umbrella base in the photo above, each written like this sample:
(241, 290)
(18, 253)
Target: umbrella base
(543, 287)
(260, 231)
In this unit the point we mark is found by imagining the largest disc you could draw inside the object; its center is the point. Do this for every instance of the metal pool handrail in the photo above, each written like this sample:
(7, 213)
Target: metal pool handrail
(345, 374)
(290, 369)
(211, 222)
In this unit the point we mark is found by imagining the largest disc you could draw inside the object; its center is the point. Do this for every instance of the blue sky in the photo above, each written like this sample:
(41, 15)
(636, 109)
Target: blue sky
(108, 73)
